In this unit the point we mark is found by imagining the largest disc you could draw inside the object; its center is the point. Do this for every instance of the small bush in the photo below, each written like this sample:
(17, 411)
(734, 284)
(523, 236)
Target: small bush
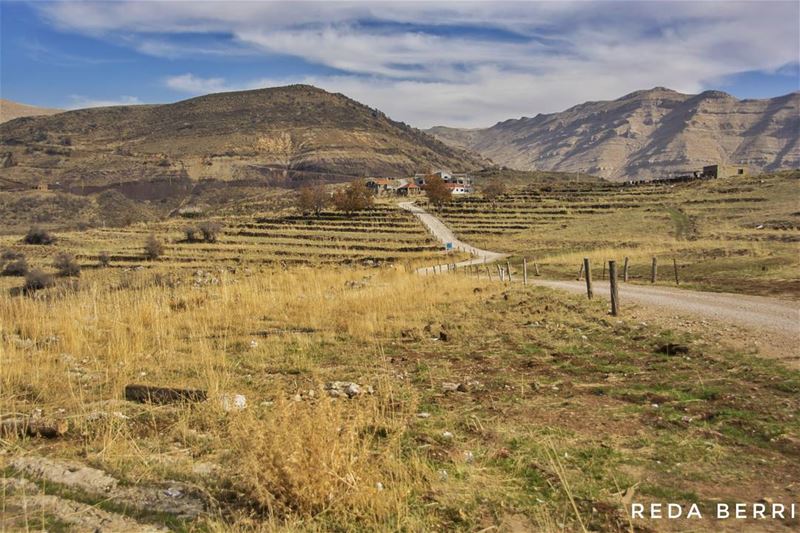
(16, 267)
(153, 249)
(192, 233)
(37, 235)
(66, 265)
(210, 230)
(10, 255)
(104, 259)
(37, 279)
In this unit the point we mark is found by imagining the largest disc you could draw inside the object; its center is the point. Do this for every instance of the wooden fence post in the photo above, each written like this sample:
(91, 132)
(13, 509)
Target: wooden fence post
(500, 273)
(675, 266)
(524, 271)
(625, 270)
(654, 270)
(536, 268)
(612, 276)
(508, 270)
(488, 273)
(587, 269)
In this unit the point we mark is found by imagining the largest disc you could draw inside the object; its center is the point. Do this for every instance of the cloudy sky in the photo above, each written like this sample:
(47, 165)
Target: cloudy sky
(426, 63)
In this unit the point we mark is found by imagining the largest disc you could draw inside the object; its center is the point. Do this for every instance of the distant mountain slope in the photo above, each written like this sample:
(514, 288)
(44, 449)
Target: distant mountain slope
(10, 110)
(646, 134)
(282, 133)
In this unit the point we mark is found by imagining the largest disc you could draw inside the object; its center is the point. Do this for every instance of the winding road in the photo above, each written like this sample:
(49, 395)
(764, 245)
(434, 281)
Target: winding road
(774, 320)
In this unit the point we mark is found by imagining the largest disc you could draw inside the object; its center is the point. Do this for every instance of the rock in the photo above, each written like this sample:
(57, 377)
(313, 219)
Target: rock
(450, 387)
(297, 398)
(447, 435)
(423, 415)
(469, 457)
(379, 485)
(673, 349)
(233, 402)
(352, 390)
(66, 473)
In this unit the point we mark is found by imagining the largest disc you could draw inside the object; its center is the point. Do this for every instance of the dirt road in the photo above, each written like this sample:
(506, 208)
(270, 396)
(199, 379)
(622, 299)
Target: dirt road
(438, 229)
(774, 322)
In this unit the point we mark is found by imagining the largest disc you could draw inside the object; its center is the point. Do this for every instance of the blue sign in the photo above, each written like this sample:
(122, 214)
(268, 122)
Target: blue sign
(448, 246)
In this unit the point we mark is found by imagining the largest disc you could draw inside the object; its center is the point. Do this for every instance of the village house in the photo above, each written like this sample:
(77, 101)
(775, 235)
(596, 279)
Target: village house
(724, 171)
(409, 189)
(382, 186)
(458, 183)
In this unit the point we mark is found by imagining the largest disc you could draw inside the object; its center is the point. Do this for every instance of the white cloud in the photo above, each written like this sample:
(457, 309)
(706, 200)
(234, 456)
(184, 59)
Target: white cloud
(190, 83)
(78, 101)
(463, 64)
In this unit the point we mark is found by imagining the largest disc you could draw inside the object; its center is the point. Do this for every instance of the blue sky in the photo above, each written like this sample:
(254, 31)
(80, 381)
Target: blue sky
(427, 63)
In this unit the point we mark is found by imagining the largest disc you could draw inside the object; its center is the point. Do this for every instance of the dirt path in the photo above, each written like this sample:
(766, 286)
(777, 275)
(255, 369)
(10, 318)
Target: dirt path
(773, 322)
(438, 229)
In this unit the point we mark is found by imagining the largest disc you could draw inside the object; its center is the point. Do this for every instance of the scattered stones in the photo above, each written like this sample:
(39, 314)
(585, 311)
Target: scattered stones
(340, 389)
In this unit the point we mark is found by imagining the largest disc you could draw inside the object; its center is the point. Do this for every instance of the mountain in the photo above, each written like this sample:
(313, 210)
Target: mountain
(645, 135)
(281, 134)
(10, 110)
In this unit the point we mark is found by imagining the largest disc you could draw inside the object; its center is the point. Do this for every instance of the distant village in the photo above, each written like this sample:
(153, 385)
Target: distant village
(413, 186)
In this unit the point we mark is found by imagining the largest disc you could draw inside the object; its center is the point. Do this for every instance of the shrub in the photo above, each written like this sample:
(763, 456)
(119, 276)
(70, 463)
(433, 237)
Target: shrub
(437, 191)
(16, 267)
(66, 265)
(192, 233)
(104, 259)
(10, 255)
(355, 197)
(210, 230)
(37, 279)
(493, 189)
(312, 199)
(153, 247)
(37, 235)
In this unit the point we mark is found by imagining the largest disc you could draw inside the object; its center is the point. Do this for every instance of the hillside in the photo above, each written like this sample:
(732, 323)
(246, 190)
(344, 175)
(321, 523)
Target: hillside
(10, 110)
(283, 133)
(645, 135)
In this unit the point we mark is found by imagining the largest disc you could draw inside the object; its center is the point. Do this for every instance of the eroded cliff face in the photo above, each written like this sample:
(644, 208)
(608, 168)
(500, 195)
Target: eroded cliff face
(645, 135)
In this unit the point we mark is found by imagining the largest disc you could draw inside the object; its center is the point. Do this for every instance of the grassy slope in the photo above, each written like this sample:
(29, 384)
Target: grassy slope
(565, 409)
(736, 235)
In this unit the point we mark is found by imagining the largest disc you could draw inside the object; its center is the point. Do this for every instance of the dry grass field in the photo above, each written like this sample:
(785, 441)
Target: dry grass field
(379, 400)
(736, 234)
(480, 406)
(381, 235)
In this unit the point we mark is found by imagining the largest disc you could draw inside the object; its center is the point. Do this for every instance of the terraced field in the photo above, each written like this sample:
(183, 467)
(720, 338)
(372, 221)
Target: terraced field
(734, 234)
(382, 235)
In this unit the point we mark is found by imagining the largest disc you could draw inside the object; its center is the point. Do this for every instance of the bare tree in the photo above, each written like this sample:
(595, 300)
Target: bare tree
(496, 187)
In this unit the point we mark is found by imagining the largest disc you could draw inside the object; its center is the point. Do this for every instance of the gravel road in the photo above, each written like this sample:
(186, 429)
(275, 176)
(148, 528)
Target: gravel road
(774, 320)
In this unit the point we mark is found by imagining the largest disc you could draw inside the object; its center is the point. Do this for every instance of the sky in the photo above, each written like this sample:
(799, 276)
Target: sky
(465, 64)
